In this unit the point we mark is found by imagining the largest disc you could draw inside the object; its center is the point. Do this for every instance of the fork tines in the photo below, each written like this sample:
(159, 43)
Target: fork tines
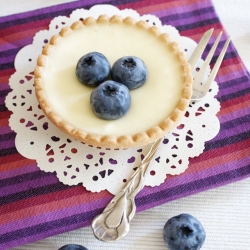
(200, 90)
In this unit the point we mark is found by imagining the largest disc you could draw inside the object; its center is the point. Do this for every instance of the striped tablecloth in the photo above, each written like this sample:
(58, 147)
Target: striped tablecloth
(35, 205)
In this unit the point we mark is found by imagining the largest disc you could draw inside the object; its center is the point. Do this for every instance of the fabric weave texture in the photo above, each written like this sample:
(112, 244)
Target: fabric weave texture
(35, 204)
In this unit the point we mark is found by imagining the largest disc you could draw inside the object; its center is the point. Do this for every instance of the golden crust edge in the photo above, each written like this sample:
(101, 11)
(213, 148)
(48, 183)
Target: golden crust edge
(110, 141)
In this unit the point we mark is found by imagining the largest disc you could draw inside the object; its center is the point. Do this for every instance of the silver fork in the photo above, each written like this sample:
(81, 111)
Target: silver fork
(200, 90)
(113, 223)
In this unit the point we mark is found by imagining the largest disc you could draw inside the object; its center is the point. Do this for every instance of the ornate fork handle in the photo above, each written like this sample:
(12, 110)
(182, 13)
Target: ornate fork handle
(113, 223)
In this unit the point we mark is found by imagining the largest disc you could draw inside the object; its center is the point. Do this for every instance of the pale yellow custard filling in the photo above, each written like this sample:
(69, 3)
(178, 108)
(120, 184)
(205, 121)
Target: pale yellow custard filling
(151, 103)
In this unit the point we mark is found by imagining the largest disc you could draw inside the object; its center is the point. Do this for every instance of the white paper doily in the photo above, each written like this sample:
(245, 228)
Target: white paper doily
(97, 168)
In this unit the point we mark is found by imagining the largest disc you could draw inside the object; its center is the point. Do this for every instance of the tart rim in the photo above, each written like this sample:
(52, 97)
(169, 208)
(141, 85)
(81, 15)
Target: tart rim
(112, 141)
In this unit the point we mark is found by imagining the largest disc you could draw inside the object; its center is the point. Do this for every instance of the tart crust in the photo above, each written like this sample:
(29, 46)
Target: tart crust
(113, 141)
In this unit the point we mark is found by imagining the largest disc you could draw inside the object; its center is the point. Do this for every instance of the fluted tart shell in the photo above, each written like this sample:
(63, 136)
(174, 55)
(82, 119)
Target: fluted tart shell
(110, 140)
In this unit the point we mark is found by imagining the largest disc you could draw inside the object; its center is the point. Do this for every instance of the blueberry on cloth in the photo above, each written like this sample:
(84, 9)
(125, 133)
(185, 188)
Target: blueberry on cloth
(110, 100)
(184, 232)
(92, 69)
(130, 71)
(72, 247)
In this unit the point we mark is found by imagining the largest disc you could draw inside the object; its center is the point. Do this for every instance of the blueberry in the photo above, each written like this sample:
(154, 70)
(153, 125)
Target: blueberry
(110, 100)
(130, 71)
(184, 232)
(92, 69)
(72, 247)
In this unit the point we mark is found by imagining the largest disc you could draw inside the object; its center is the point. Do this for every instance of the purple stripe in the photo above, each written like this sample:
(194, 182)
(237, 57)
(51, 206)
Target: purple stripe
(52, 216)
(232, 82)
(194, 9)
(8, 136)
(47, 229)
(209, 172)
(8, 60)
(230, 140)
(190, 188)
(25, 185)
(21, 238)
(167, 192)
(239, 121)
(2, 100)
(229, 55)
(188, 17)
(231, 79)
(180, 186)
(229, 133)
(6, 51)
(199, 24)
(12, 49)
(4, 144)
(230, 50)
(238, 114)
(195, 181)
(13, 173)
(6, 130)
(3, 108)
(238, 94)
(32, 192)
(4, 88)
(4, 93)
(23, 178)
(44, 13)
(8, 152)
(78, 219)
(8, 65)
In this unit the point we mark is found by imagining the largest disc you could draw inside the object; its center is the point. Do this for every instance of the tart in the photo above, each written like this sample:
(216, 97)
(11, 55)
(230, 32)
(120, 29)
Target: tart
(156, 107)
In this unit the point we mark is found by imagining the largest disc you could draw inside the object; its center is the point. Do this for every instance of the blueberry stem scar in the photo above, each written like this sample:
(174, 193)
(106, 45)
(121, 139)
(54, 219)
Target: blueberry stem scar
(129, 63)
(89, 60)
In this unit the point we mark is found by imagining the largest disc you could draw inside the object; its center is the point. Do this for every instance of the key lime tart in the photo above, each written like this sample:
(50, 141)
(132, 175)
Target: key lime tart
(155, 107)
